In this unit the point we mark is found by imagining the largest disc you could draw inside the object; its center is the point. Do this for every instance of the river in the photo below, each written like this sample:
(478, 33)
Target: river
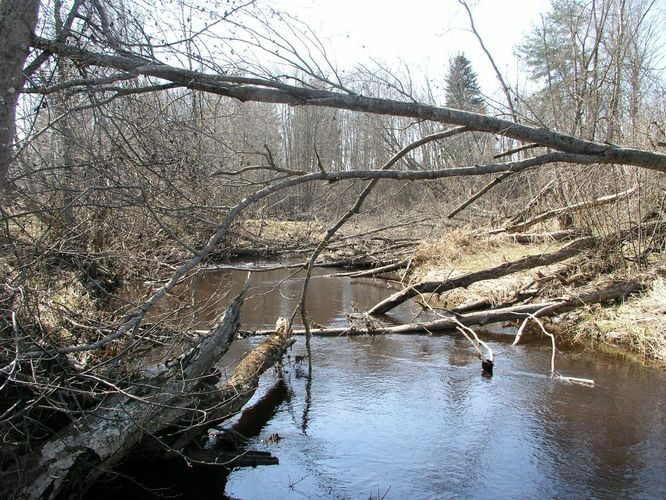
(412, 417)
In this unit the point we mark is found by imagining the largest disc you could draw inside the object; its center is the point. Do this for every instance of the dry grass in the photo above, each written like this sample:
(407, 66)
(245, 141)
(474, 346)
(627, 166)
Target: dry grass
(462, 251)
(282, 230)
(639, 324)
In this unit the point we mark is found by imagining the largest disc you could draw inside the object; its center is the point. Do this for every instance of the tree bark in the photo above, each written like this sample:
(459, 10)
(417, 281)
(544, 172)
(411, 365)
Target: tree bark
(272, 91)
(604, 200)
(612, 291)
(73, 460)
(18, 19)
(494, 272)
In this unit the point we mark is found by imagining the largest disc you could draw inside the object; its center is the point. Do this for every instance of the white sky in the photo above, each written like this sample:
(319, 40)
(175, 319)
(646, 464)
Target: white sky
(421, 33)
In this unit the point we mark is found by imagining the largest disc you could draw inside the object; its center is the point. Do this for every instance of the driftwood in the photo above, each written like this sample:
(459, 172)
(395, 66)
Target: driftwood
(176, 397)
(372, 272)
(494, 272)
(613, 290)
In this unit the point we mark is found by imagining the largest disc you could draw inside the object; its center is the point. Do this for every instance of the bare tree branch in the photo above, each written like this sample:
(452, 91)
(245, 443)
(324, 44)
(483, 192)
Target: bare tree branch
(262, 90)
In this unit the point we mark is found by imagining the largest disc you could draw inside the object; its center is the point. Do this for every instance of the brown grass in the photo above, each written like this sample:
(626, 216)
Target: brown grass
(639, 324)
(462, 251)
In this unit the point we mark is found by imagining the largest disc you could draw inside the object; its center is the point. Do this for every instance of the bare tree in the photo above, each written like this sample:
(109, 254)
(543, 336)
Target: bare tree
(17, 25)
(248, 109)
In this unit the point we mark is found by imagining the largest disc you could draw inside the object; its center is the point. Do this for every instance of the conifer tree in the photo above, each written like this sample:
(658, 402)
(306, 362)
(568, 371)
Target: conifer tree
(462, 89)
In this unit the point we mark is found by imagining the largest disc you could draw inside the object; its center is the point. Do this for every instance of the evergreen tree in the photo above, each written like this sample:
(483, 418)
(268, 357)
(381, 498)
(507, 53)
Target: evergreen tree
(595, 65)
(462, 89)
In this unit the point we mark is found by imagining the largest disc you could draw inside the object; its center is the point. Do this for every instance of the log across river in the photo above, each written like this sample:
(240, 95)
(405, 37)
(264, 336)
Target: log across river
(411, 416)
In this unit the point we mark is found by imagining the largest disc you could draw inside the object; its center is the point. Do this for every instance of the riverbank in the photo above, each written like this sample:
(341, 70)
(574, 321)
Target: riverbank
(521, 269)
(635, 323)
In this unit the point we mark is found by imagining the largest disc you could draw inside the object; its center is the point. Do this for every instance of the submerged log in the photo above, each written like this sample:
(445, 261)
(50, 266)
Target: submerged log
(465, 280)
(69, 463)
(248, 458)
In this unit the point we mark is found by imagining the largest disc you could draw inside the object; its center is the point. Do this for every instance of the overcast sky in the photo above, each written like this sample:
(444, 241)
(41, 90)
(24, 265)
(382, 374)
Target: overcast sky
(421, 33)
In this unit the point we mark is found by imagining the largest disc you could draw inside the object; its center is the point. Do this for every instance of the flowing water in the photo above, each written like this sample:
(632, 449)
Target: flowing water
(412, 417)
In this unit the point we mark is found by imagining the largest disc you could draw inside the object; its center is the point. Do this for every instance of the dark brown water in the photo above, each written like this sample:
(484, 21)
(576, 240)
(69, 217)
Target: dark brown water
(411, 416)
(274, 293)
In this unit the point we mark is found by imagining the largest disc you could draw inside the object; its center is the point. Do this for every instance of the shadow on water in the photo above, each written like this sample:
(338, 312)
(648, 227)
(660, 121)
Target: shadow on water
(272, 294)
(173, 478)
(413, 414)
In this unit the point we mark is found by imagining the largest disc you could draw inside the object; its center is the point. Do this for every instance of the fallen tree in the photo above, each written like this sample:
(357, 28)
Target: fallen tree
(610, 291)
(465, 280)
(274, 91)
(557, 212)
(178, 398)
(164, 393)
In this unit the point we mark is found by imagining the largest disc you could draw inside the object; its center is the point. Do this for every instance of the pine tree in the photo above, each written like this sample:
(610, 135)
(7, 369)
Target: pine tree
(462, 89)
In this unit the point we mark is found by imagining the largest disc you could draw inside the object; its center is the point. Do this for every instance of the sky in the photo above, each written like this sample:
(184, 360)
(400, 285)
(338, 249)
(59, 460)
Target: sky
(424, 34)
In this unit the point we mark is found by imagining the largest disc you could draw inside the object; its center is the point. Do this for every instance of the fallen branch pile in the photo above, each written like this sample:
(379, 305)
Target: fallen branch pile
(173, 408)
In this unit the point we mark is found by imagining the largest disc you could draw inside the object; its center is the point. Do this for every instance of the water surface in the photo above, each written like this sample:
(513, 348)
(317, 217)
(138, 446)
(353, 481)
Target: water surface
(411, 416)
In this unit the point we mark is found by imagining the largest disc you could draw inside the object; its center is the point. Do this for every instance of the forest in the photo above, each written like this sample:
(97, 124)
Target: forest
(140, 149)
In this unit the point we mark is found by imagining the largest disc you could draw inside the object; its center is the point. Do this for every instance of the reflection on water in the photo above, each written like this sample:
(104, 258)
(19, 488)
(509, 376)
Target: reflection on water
(274, 293)
(412, 416)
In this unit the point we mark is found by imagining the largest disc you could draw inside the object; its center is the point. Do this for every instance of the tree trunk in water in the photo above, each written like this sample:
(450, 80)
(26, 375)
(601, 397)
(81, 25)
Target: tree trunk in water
(612, 291)
(69, 463)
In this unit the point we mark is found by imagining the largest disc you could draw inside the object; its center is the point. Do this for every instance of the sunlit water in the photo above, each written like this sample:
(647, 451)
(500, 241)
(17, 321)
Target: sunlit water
(411, 416)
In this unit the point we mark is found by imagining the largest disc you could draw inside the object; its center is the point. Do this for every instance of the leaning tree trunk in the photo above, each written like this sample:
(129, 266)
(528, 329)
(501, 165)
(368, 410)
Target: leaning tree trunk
(18, 19)
(607, 292)
(465, 280)
(178, 397)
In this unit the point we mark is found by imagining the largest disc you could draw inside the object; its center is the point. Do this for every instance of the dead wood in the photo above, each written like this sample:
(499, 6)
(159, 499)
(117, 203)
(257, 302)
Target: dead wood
(249, 458)
(372, 272)
(479, 194)
(177, 396)
(465, 280)
(355, 262)
(522, 214)
(604, 200)
(612, 290)
(513, 151)
(562, 235)
(274, 91)
(521, 295)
